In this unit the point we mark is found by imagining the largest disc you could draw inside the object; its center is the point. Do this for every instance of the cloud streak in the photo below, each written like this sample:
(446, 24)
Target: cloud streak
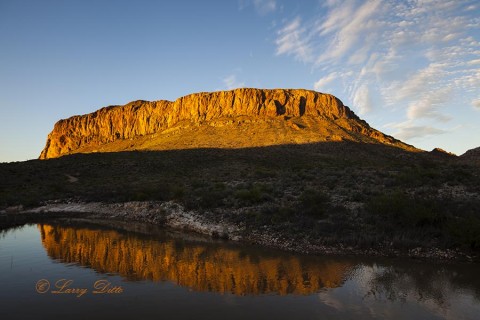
(292, 40)
(262, 7)
(347, 25)
(410, 57)
(231, 82)
(476, 104)
(410, 132)
(323, 83)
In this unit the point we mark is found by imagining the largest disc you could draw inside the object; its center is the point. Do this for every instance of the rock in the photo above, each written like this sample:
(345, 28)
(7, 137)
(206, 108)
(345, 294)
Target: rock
(14, 209)
(241, 117)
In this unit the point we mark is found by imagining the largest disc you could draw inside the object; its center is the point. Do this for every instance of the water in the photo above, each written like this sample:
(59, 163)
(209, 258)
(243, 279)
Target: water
(139, 271)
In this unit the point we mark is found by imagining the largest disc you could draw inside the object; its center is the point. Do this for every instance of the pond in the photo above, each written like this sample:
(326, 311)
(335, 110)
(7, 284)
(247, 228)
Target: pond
(113, 270)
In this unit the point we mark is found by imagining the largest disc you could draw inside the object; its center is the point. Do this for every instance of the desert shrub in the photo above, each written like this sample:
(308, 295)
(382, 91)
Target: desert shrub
(419, 176)
(357, 196)
(253, 194)
(277, 214)
(263, 173)
(207, 197)
(147, 192)
(178, 192)
(406, 210)
(465, 231)
(459, 175)
(313, 203)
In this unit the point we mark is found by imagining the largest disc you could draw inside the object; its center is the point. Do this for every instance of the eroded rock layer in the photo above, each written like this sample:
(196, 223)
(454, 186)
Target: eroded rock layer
(234, 119)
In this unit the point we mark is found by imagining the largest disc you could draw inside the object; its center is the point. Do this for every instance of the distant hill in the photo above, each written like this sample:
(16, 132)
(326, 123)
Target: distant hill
(472, 155)
(224, 119)
(438, 152)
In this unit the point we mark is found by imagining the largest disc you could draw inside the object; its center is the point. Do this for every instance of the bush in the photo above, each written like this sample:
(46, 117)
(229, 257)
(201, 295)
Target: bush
(407, 211)
(465, 231)
(254, 194)
(313, 203)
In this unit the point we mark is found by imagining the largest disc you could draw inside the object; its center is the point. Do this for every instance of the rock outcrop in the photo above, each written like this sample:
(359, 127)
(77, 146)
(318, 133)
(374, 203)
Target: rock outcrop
(224, 119)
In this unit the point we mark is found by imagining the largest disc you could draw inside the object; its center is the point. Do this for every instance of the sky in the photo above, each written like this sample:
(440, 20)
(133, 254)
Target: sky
(410, 68)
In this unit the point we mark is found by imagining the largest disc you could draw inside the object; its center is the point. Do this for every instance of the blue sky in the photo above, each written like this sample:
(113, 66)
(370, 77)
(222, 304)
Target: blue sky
(409, 68)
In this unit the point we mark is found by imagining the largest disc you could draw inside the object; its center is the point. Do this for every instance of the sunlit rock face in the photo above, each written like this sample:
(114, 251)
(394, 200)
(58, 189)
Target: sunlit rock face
(200, 266)
(224, 119)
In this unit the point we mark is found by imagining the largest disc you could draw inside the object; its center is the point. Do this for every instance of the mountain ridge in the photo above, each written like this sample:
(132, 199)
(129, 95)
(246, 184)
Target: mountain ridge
(245, 117)
(472, 155)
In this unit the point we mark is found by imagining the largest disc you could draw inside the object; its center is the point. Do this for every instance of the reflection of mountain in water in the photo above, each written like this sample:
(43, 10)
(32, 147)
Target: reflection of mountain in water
(204, 267)
(425, 282)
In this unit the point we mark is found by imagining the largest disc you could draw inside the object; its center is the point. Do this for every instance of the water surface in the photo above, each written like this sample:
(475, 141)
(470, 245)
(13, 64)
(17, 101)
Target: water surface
(122, 271)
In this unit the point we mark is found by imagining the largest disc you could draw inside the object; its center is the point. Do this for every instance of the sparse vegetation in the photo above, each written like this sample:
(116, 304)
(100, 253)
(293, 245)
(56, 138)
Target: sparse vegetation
(313, 203)
(344, 193)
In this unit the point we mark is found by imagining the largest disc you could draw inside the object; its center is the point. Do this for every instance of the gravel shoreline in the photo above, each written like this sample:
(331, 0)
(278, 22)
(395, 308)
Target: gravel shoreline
(173, 215)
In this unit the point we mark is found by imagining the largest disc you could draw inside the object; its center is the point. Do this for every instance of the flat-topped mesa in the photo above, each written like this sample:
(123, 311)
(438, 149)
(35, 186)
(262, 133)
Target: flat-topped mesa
(276, 112)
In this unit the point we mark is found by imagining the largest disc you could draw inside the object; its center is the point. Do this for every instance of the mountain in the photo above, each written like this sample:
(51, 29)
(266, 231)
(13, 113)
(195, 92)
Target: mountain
(439, 152)
(472, 155)
(225, 119)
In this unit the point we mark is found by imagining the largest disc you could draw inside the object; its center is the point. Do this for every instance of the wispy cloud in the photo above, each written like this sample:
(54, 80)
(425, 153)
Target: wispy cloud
(231, 82)
(292, 40)
(476, 104)
(414, 57)
(409, 131)
(346, 26)
(322, 83)
(362, 99)
(427, 106)
(262, 7)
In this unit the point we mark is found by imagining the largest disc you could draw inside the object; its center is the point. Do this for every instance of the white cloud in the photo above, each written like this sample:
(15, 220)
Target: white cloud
(476, 103)
(416, 59)
(422, 103)
(264, 6)
(428, 105)
(362, 100)
(473, 62)
(322, 83)
(415, 83)
(471, 7)
(347, 26)
(408, 131)
(231, 82)
(292, 41)
(337, 18)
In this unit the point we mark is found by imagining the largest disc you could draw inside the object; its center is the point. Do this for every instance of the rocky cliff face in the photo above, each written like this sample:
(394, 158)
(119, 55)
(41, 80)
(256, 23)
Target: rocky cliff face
(236, 118)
